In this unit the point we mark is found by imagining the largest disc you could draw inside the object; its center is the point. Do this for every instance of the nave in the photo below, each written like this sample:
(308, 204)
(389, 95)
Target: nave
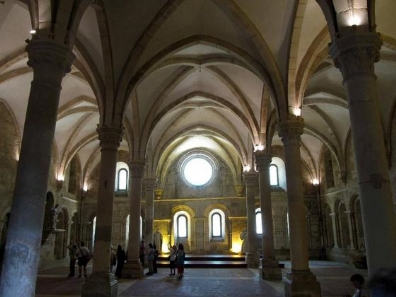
(201, 282)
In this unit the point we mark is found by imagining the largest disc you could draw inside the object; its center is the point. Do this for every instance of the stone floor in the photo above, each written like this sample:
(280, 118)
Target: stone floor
(223, 282)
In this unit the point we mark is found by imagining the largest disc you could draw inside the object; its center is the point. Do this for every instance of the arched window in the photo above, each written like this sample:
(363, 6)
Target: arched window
(182, 226)
(216, 222)
(93, 233)
(121, 184)
(216, 225)
(274, 177)
(127, 230)
(259, 226)
(122, 179)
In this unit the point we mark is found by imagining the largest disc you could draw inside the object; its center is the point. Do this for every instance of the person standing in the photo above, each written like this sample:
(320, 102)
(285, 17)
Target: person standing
(82, 254)
(142, 252)
(156, 254)
(180, 257)
(72, 247)
(358, 282)
(150, 258)
(172, 260)
(121, 257)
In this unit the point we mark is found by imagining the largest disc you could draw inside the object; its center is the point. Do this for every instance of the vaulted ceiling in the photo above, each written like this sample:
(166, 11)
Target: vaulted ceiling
(213, 74)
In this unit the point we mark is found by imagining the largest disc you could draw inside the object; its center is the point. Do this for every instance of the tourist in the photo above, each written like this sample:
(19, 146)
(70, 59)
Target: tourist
(83, 258)
(358, 282)
(180, 257)
(72, 247)
(150, 258)
(121, 258)
(172, 260)
(142, 252)
(156, 254)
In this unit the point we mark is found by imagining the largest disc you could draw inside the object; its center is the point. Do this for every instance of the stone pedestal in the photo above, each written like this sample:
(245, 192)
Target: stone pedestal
(100, 285)
(252, 260)
(133, 269)
(301, 283)
(270, 269)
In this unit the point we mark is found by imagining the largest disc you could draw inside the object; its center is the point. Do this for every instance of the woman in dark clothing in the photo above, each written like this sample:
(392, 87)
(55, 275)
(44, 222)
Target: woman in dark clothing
(156, 253)
(180, 257)
(121, 257)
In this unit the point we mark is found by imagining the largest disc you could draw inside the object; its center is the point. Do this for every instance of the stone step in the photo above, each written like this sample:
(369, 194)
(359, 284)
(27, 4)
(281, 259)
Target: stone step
(207, 261)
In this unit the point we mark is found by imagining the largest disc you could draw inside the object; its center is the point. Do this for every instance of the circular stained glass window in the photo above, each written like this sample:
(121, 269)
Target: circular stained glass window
(198, 171)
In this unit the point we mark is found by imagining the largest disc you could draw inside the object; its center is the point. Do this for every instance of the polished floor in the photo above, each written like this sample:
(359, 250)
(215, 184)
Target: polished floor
(200, 282)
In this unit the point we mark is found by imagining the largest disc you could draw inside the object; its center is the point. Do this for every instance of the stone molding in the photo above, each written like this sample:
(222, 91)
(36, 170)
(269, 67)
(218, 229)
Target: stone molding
(356, 53)
(136, 168)
(45, 57)
(290, 131)
(250, 178)
(263, 160)
(110, 137)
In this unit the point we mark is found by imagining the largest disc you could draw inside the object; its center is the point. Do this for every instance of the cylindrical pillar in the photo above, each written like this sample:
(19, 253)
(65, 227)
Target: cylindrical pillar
(252, 258)
(300, 281)
(348, 213)
(133, 268)
(355, 55)
(102, 282)
(334, 226)
(270, 266)
(148, 186)
(290, 132)
(50, 62)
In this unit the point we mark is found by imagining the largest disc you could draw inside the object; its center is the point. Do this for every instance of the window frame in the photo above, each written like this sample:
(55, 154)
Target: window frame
(119, 179)
(178, 225)
(276, 175)
(260, 223)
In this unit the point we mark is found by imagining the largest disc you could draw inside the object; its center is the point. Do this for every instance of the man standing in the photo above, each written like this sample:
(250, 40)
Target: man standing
(72, 247)
(142, 252)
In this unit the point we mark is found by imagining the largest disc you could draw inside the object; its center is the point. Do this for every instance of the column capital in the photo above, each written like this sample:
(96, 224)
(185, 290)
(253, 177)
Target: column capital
(355, 54)
(149, 183)
(263, 160)
(46, 54)
(109, 137)
(136, 168)
(250, 178)
(291, 130)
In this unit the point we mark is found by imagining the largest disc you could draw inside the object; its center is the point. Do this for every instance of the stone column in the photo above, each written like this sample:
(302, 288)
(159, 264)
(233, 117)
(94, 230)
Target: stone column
(252, 258)
(348, 213)
(102, 282)
(270, 268)
(148, 186)
(133, 268)
(355, 55)
(50, 62)
(300, 281)
(334, 225)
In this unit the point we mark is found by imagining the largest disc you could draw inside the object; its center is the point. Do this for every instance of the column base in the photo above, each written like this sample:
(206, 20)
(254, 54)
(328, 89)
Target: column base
(252, 260)
(270, 269)
(301, 283)
(100, 285)
(133, 269)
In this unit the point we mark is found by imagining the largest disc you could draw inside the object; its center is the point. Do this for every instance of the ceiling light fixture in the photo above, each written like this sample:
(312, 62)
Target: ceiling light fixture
(297, 111)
